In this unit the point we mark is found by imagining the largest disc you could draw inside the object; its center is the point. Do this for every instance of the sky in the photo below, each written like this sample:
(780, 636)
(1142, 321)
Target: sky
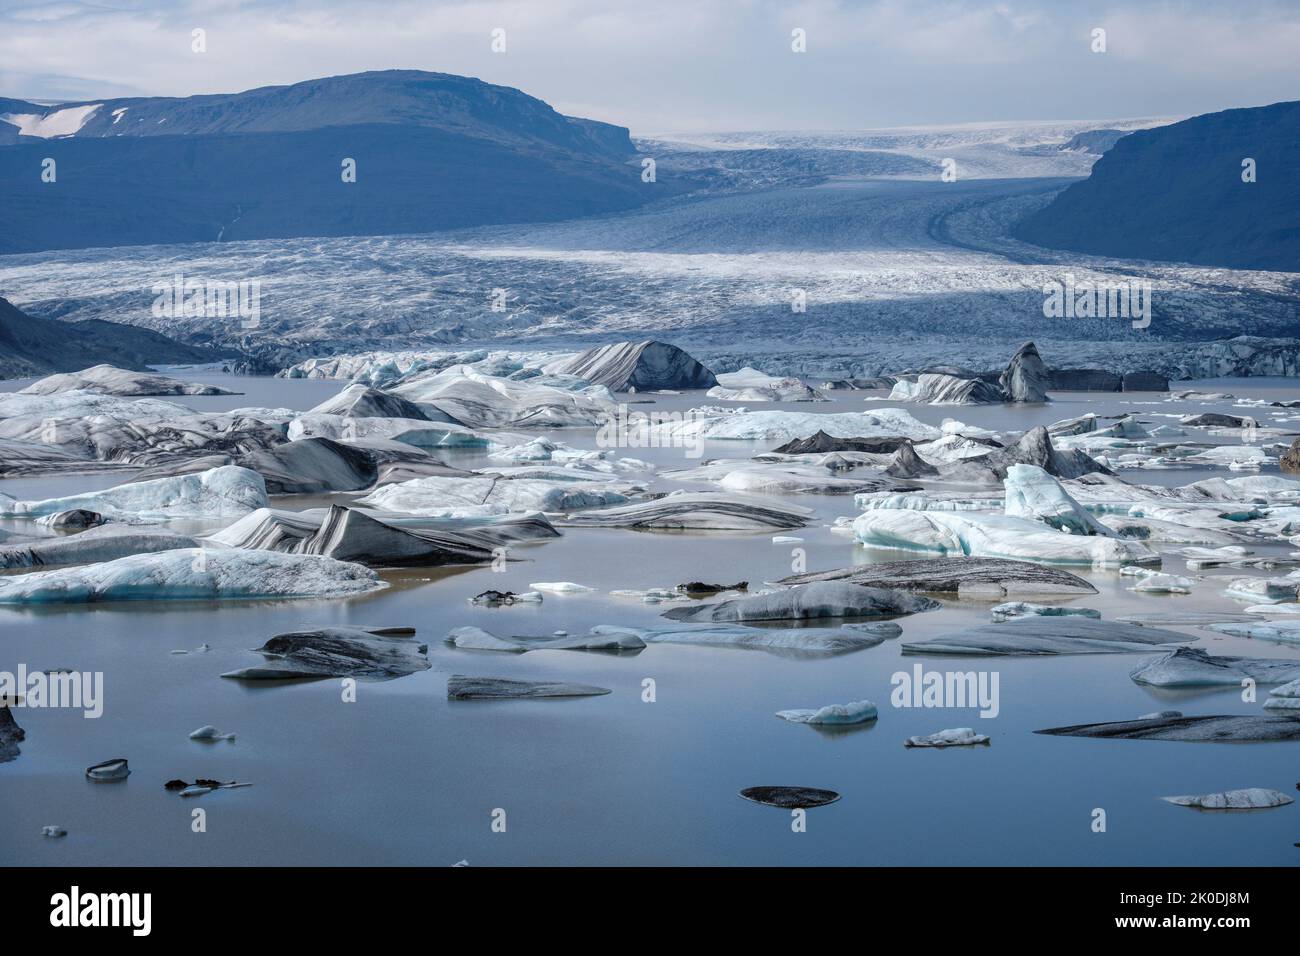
(661, 66)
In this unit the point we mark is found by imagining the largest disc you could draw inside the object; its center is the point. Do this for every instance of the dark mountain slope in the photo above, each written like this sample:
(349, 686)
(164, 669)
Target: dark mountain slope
(32, 346)
(432, 152)
(1175, 194)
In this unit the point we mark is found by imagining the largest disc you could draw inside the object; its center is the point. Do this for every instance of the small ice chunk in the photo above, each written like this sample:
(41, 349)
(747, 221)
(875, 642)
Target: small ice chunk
(208, 732)
(856, 712)
(952, 737)
(560, 587)
(1252, 798)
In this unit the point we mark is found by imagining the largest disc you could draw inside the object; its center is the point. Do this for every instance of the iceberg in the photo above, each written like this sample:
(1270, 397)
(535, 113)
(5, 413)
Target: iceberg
(1193, 667)
(1286, 697)
(365, 653)
(783, 426)
(1252, 798)
(953, 737)
(461, 687)
(939, 389)
(486, 494)
(225, 492)
(1032, 493)
(856, 712)
(992, 536)
(93, 546)
(1220, 728)
(794, 642)
(635, 366)
(109, 380)
(1017, 609)
(697, 511)
(973, 577)
(1038, 636)
(193, 574)
(822, 599)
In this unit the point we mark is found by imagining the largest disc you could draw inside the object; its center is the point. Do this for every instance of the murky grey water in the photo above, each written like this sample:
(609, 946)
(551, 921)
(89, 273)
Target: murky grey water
(402, 776)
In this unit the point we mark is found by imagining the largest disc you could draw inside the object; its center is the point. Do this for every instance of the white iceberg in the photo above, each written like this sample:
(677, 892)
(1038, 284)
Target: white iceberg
(225, 492)
(952, 737)
(856, 712)
(1252, 798)
(193, 574)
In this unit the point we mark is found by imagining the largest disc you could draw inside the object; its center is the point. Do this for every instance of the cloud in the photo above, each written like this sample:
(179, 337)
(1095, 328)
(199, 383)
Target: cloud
(689, 64)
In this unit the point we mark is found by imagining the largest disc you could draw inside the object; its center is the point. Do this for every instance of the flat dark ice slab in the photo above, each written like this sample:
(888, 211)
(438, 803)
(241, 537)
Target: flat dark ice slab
(338, 652)
(1046, 636)
(995, 577)
(1187, 618)
(1231, 728)
(821, 599)
(460, 687)
(790, 798)
(1194, 667)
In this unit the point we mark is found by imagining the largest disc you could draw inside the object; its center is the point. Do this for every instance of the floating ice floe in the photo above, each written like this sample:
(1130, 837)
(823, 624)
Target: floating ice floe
(790, 798)
(475, 638)
(1017, 609)
(93, 546)
(1195, 729)
(114, 769)
(1157, 583)
(493, 598)
(697, 511)
(479, 400)
(1200, 558)
(992, 536)
(952, 737)
(960, 576)
(418, 433)
(352, 534)
(823, 599)
(751, 385)
(782, 479)
(1252, 798)
(1193, 667)
(856, 712)
(1286, 697)
(192, 574)
(783, 426)
(108, 380)
(227, 492)
(493, 494)
(1035, 504)
(380, 653)
(1264, 590)
(460, 687)
(313, 466)
(1038, 636)
(560, 587)
(793, 642)
(208, 732)
(1280, 632)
